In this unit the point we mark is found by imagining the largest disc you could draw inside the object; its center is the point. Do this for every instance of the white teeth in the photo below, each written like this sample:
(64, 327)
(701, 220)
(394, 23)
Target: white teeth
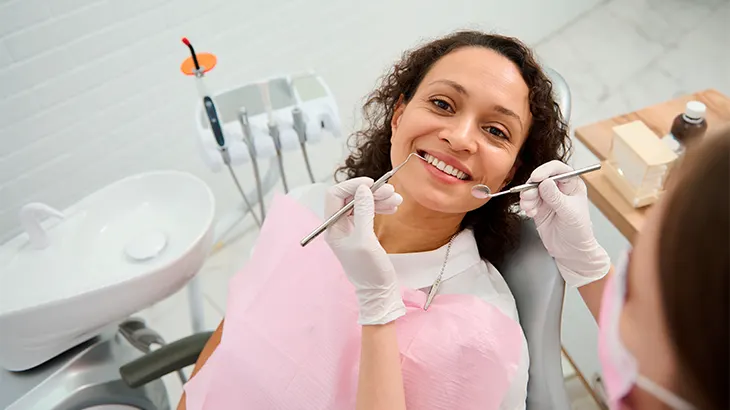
(447, 169)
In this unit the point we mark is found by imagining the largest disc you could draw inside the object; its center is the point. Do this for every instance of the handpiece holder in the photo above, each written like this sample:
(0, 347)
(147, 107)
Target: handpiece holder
(301, 129)
(299, 125)
(307, 92)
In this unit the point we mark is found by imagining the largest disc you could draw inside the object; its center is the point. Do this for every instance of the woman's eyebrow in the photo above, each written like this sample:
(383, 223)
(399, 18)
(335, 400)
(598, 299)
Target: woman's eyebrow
(506, 111)
(453, 84)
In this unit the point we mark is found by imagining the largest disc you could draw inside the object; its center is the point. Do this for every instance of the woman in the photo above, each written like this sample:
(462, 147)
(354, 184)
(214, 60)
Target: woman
(480, 110)
(665, 315)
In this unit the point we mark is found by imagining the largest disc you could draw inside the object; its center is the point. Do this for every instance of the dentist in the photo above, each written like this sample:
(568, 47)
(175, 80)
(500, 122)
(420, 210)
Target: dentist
(663, 312)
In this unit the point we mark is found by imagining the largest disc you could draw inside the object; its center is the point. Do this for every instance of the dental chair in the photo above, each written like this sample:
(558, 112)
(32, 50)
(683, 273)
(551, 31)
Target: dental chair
(89, 376)
(529, 271)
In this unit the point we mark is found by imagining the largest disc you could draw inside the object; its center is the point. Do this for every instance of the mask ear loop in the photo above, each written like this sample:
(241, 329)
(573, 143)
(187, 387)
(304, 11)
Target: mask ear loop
(662, 394)
(666, 396)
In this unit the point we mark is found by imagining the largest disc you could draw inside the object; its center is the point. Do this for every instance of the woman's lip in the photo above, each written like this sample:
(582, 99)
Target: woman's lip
(442, 176)
(448, 160)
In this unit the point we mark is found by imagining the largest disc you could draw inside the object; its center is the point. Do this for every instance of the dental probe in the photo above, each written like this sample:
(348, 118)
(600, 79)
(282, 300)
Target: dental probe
(348, 207)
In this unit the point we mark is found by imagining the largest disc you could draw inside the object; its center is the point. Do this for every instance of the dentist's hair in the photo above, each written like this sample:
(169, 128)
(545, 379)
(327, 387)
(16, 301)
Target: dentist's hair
(496, 224)
(694, 271)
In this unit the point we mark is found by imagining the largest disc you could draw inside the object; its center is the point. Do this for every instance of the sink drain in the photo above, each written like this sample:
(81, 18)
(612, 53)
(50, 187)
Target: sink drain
(146, 246)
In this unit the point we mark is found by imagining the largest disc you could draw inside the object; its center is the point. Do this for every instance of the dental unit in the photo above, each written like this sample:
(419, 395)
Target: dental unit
(348, 207)
(483, 192)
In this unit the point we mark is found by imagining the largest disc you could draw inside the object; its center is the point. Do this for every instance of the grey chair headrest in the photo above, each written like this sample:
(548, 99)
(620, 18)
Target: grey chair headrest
(561, 92)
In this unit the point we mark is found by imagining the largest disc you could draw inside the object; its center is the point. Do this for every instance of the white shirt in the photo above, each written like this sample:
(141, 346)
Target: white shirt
(465, 273)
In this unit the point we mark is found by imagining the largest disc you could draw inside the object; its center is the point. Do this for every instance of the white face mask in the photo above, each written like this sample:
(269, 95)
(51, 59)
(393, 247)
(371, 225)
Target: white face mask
(620, 370)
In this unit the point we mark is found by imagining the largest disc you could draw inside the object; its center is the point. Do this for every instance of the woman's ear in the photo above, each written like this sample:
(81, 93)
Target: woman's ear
(397, 113)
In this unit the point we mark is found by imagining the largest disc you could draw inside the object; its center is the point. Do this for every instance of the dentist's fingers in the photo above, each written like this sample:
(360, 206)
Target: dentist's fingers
(364, 209)
(551, 195)
(338, 195)
(530, 207)
(529, 195)
(549, 169)
(388, 205)
(346, 189)
(530, 201)
(386, 211)
(569, 186)
(384, 192)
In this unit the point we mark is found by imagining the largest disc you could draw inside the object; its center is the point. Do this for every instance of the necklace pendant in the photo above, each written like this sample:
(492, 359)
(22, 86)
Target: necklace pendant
(437, 282)
(432, 293)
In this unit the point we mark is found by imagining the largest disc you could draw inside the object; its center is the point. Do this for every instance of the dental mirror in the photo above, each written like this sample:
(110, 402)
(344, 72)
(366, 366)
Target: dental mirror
(481, 191)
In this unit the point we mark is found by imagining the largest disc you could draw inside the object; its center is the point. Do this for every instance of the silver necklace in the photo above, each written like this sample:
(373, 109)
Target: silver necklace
(437, 282)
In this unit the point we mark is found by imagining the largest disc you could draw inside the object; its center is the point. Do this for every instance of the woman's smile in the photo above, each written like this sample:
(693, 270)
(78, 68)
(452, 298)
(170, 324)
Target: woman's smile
(445, 168)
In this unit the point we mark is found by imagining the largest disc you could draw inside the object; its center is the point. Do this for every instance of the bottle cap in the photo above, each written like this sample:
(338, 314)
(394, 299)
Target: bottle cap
(695, 110)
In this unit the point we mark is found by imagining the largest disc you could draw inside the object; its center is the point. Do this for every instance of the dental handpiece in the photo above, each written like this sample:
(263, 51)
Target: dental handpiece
(301, 129)
(348, 207)
(220, 140)
(483, 192)
(249, 140)
(243, 195)
(274, 132)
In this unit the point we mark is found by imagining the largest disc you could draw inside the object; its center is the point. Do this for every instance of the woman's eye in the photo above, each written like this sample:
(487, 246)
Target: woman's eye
(496, 132)
(441, 104)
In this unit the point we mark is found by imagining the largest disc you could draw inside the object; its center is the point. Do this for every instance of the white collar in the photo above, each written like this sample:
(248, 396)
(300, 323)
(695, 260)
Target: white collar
(419, 270)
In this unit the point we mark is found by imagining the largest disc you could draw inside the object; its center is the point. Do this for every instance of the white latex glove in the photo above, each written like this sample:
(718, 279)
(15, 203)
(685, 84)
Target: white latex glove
(560, 211)
(364, 260)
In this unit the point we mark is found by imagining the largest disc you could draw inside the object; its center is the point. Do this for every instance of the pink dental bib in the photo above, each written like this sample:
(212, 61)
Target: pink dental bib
(291, 338)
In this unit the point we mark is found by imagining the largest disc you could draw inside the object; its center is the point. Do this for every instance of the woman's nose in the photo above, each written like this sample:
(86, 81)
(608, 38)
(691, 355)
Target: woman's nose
(462, 136)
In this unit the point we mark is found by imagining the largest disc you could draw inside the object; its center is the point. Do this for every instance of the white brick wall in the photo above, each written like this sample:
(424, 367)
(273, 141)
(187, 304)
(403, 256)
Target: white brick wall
(90, 90)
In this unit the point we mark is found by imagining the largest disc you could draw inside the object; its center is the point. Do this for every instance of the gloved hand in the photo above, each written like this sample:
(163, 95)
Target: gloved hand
(364, 260)
(560, 211)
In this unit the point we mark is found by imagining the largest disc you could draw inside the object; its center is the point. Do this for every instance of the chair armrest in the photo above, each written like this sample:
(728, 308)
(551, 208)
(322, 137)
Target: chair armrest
(165, 360)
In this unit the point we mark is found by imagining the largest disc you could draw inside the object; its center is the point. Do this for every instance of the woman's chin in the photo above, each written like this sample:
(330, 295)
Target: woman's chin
(441, 202)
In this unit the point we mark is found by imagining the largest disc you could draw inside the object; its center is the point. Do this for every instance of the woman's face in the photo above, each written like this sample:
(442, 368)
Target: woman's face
(642, 325)
(470, 116)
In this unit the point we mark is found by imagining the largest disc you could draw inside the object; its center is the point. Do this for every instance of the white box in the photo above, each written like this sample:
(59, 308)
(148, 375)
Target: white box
(638, 163)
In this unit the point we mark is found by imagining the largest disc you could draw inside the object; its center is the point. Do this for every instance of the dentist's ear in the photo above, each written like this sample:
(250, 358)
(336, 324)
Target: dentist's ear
(397, 114)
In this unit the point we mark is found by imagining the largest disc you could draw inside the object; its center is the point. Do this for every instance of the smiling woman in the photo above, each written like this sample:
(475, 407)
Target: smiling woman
(480, 110)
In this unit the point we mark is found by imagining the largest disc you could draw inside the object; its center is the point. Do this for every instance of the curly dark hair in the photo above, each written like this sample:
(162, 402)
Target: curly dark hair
(496, 224)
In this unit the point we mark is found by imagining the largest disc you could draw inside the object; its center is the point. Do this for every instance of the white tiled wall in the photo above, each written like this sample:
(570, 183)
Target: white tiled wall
(90, 90)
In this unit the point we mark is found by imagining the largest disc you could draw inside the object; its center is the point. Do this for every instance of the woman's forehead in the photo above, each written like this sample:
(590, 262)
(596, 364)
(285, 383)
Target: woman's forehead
(477, 67)
(485, 77)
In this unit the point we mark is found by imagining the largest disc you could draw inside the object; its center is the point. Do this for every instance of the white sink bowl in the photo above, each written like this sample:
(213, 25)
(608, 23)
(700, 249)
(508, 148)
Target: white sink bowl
(118, 251)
